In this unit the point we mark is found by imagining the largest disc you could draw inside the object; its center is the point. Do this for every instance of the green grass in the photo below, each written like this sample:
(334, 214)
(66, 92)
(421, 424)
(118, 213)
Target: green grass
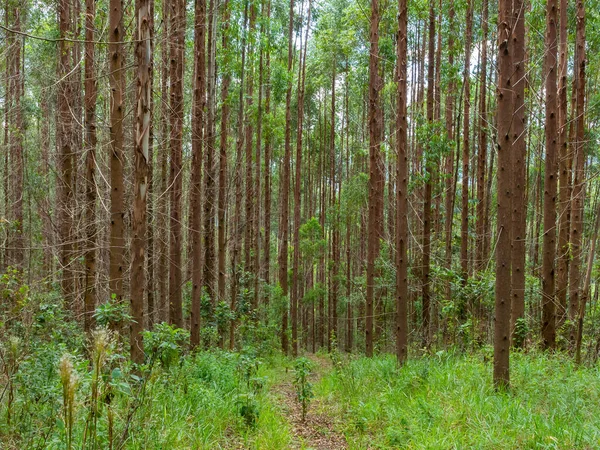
(195, 404)
(448, 401)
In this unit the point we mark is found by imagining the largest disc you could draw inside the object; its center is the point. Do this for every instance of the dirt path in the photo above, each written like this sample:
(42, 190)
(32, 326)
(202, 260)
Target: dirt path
(318, 432)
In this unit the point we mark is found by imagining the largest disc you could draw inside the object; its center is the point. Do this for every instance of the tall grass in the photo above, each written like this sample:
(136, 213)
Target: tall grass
(448, 401)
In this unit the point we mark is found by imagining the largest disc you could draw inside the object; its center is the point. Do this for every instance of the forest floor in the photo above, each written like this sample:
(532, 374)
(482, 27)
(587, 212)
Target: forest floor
(221, 400)
(319, 429)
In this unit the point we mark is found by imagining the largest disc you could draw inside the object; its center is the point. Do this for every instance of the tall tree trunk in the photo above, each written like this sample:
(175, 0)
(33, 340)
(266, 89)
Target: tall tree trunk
(163, 199)
(90, 146)
(579, 176)
(429, 169)
(519, 172)
(64, 134)
(16, 142)
(285, 187)
(295, 292)
(117, 207)
(142, 155)
(401, 189)
(504, 113)
(374, 170)
(550, 174)
(464, 221)
(222, 200)
(196, 181)
(237, 213)
(449, 169)
(564, 173)
(482, 153)
(209, 167)
(176, 43)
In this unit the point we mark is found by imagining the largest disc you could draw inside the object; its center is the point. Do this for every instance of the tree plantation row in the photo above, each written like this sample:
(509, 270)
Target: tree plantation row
(366, 176)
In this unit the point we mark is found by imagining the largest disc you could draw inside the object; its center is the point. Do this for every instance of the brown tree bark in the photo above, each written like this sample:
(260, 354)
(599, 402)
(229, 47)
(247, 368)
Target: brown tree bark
(579, 175)
(222, 200)
(285, 186)
(90, 163)
(564, 173)
(519, 172)
(295, 292)
(401, 189)
(64, 134)
(374, 171)
(268, 148)
(449, 168)
(163, 198)
(176, 44)
(196, 181)
(464, 217)
(117, 207)
(209, 166)
(141, 159)
(482, 151)
(504, 114)
(429, 170)
(550, 175)
(16, 142)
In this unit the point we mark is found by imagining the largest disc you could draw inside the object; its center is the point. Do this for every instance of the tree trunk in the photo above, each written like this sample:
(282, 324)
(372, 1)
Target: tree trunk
(196, 181)
(464, 221)
(64, 135)
(579, 176)
(222, 200)
(401, 189)
(285, 187)
(550, 173)
(374, 170)
(90, 162)
(504, 115)
(176, 43)
(117, 207)
(519, 172)
(142, 155)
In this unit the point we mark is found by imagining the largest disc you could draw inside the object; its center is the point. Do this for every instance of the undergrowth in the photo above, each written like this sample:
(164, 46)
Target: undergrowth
(448, 401)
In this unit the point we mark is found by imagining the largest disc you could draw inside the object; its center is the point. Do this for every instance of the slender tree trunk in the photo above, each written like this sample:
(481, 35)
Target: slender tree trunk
(564, 173)
(504, 113)
(117, 191)
(196, 181)
(163, 199)
(579, 176)
(90, 162)
(429, 169)
(519, 172)
(295, 292)
(550, 174)
(285, 187)
(142, 155)
(222, 200)
(401, 189)
(268, 146)
(176, 43)
(238, 188)
(464, 228)
(64, 134)
(483, 133)
(209, 167)
(449, 169)
(374, 170)
(16, 142)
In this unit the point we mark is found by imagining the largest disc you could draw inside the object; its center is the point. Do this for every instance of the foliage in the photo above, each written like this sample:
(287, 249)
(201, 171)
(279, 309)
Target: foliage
(166, 343)
(304, 389)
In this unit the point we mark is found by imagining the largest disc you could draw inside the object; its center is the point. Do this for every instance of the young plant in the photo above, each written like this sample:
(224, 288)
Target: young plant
(304, 392)
(68, 378)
